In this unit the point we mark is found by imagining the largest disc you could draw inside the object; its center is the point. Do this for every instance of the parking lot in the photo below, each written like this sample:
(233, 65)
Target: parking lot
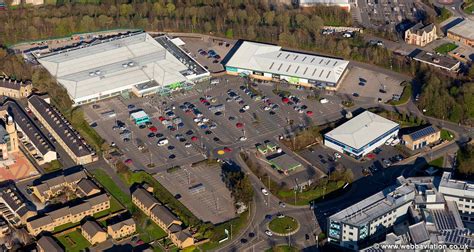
(386, 14)
(324, 158)
(140, 145)
(361, 82)
(199, 49)
(209, 199)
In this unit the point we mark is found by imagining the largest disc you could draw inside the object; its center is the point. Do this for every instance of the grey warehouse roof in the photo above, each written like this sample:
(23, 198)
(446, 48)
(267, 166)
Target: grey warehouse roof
(361, 130)
(113, 65)
(272, 59)
(464, 29)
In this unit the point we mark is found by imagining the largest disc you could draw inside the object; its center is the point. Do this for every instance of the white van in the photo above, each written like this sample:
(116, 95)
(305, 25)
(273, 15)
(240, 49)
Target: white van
(162, 142)
(323, 101)
(215, 81)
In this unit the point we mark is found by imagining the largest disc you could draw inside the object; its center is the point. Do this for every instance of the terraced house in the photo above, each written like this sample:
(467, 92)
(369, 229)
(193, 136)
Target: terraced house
(68, 214)
(163, 217)
(50, 188)
(61, 129)
(122, 229)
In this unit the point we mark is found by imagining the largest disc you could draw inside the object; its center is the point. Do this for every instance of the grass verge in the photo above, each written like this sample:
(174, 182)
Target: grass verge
(437, 163)
(445, 48)
(406, 95)
(112, 188)
(74, 241)
(283, 225)
(446, 135)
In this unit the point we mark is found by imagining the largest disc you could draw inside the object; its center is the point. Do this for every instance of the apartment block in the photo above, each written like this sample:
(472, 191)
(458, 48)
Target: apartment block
(93, 232)
(461, 192)
(68, 214)
(62, 130)
(122, 229)
(50, 188)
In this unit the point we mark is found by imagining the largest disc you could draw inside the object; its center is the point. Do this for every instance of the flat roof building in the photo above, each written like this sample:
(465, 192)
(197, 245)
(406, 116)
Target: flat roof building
(271, 62)
(463, 32)
(285, 163)
(62, 130)
(113, 66)
(461, 192)
(361, 135)
(344, 4)
(436, 60)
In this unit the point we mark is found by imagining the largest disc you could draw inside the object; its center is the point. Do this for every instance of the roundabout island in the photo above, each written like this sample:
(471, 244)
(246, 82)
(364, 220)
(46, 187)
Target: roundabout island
(284, 226)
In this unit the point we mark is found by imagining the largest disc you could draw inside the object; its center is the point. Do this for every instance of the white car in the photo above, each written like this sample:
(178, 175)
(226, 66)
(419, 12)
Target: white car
(204, 119)
(196, 120)
(242, 138)
(187, 145)
(337, 155)
(323, 101)
(163, 142)
(266, 108)
(246, 107)
(265, 192)
(268, 232)
(395, 142)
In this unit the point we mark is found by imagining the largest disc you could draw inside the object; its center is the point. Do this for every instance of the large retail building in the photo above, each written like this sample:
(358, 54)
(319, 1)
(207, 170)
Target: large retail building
(361, 135)
(134, 62)
(271, 62)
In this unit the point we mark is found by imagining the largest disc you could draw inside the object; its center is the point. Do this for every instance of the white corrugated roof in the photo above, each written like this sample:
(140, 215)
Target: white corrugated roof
(361, 130)
(114, 66)
(272, 59)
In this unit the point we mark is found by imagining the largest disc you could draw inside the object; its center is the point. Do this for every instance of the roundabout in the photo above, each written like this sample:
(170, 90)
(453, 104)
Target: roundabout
(284, 226)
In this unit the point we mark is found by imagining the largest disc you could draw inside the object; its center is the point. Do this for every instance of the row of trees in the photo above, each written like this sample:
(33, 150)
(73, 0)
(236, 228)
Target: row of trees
(237, 182)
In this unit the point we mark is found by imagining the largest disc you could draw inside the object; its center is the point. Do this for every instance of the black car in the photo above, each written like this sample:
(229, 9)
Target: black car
(306, 236)
(177, 196)
(207, 132)
(243, 240)
(172, 156)
(355, 94)
(171, 147)
(159, 135)
(151, 134)
(251, 234)
(189, 132)
(216, 139)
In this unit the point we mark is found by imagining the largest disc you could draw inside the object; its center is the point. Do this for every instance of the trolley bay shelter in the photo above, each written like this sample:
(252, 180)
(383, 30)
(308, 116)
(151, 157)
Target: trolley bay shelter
(135, 62)
(271, 62)
(361, 135)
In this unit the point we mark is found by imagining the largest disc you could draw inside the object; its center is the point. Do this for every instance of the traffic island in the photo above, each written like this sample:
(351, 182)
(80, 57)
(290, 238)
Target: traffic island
(283, 226)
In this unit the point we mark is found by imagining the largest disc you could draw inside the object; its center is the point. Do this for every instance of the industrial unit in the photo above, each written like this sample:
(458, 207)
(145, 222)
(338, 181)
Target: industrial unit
(271, 62)
(361, 135)
(135, 62)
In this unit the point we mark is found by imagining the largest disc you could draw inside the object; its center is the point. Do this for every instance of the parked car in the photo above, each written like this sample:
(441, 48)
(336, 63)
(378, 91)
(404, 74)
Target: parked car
(265, 192)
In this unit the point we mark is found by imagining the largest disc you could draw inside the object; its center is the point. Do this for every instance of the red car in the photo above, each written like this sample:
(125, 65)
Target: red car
(239, 125)
(153, 129)
(309, 112)
(285, 100)
(161, 118)
(371, 156)
(194, 138)
(128, 161)
(227, 149)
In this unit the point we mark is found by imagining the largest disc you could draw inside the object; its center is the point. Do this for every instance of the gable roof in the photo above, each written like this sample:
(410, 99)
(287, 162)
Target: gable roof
(91, 228)
(423, 132)
(164, 214)
(145, 198)
(48, 244)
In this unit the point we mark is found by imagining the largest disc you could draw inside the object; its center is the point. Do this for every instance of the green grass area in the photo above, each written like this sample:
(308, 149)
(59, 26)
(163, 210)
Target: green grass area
(406, 95)
(74, 241)
(52, 166)
(305, 197)
(283, 225)
(445, 48)
(282, 248)
(114, 207)
(437, 163)
(219, 233)
(89, 134)
(446, 135)
(112, 188)
(444, 14)
(148, 230)
(468, 7)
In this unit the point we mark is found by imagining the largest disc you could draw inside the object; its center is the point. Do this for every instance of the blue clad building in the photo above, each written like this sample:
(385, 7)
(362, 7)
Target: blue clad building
(361, 135)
